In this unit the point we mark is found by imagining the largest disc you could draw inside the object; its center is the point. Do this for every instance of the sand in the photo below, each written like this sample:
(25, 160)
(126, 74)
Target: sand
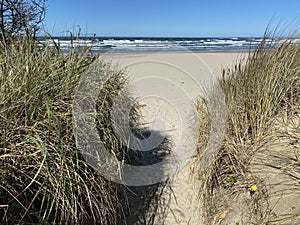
(168, 85)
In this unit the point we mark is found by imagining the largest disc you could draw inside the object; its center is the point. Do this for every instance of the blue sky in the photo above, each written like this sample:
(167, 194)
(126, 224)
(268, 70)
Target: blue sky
(169, 18)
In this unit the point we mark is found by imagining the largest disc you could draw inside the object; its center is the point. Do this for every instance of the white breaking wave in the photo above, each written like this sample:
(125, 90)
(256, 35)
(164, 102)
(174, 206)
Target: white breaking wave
(124, 45)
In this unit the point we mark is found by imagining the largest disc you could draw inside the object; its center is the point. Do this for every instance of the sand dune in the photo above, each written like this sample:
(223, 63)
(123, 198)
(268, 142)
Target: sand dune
(167, 85)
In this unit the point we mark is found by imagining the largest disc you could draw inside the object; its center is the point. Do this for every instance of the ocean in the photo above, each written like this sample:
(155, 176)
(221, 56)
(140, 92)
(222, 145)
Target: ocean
(121, 45)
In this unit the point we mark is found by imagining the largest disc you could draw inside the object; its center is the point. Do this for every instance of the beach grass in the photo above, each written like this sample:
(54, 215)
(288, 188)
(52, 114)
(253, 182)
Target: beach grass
(259, 92)
(44, 178)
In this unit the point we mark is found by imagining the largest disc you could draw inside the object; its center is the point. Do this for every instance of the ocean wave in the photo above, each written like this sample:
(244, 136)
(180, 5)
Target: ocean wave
(122, 45)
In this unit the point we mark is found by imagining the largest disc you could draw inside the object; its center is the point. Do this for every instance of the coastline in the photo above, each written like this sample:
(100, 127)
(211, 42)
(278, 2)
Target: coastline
(133, 45)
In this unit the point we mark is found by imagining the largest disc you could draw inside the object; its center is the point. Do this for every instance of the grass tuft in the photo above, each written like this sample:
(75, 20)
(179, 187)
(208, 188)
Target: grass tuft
(257, 92)
(44, 179)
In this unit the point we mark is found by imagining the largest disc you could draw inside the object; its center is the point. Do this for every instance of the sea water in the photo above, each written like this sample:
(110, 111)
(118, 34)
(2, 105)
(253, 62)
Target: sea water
(154, 44)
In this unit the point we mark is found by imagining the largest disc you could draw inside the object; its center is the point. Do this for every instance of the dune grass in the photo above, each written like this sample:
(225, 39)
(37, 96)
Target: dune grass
(44, 179)
(257, 91)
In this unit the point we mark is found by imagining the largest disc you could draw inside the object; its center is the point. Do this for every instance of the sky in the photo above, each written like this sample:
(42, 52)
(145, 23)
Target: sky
(169, 18)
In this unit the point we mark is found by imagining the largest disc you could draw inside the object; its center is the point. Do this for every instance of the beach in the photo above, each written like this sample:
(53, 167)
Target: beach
(149, 112)
(178, 153)
(167, 86)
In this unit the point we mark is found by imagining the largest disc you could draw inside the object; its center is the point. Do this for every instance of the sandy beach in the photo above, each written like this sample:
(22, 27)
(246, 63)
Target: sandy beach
(166, 83)
(149, 112)
(167, 86)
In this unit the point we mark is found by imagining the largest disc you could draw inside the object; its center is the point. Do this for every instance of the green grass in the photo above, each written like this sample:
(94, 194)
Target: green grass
(257, 91)
(44, 179)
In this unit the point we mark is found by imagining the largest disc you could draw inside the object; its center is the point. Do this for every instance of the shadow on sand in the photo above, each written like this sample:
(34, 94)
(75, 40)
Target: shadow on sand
(146, 205)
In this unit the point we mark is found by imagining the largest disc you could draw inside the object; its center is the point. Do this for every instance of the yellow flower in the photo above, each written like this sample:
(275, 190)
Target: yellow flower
(253, 188)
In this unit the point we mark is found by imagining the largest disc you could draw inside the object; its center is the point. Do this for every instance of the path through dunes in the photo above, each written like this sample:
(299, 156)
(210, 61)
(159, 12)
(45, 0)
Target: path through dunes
(167, 87)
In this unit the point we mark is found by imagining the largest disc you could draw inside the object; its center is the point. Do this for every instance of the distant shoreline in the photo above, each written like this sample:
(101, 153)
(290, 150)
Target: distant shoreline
(136, 45)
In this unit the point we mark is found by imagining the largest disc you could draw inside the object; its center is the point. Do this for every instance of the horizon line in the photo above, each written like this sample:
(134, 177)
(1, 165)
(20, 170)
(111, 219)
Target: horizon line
(117, 36)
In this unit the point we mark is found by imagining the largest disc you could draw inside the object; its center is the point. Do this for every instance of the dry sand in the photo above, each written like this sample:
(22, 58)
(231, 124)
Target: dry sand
(167, 85)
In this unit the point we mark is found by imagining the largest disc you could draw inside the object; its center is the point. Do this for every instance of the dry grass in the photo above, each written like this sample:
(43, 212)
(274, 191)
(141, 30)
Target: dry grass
(44, 179)
(256, 93)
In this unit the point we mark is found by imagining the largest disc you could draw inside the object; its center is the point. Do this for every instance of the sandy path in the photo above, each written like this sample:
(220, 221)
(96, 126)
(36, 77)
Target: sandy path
(168, 85)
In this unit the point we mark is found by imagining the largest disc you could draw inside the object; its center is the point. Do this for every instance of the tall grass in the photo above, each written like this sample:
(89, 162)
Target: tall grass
(257, 92)
(44, 179)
